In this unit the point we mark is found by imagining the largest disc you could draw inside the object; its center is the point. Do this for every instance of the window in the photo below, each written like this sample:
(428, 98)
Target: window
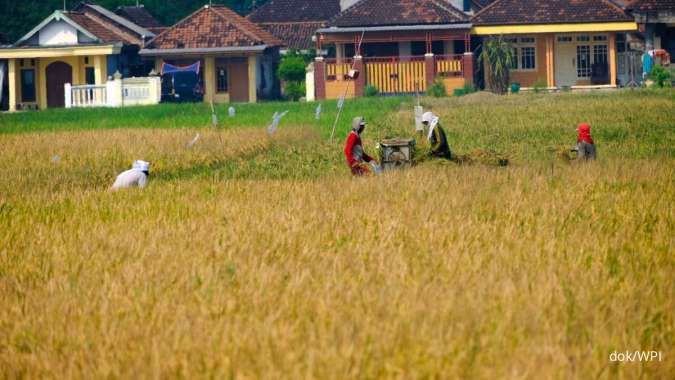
(620, 43)
(527, 59)
(90, 75)
(583, 38)
(583, 61)
(524, 52)
(28, 85)
(564, 38)
(600, 38)
(600, 54)
(221, 79)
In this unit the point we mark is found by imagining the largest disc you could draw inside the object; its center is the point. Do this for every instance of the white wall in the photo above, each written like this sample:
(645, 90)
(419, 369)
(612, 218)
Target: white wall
(58, 33)
(344, 4)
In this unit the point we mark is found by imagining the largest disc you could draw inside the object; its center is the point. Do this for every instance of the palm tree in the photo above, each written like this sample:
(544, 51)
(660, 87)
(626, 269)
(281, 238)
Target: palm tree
(499, 56)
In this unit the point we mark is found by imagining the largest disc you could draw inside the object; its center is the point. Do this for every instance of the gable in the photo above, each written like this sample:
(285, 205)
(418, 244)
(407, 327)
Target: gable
(57, 33)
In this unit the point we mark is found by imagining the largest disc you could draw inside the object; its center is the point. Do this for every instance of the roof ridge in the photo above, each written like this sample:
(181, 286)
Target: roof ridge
(451, 8)
(181, 21)
(241, 28)
(486, 8)
(112, 28)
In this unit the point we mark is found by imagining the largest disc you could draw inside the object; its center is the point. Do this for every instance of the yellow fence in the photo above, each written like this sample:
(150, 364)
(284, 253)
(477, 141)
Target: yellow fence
(397, 76)
(335, 71)
(449, 67)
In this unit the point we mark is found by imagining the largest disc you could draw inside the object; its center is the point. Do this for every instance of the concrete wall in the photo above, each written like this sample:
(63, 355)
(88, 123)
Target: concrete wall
(58, 33)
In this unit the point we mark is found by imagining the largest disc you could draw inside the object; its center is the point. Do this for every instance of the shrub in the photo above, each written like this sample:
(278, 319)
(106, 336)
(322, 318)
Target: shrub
(371, 90)
(661, 76)
(467, 89)
(539, 86)
(498, 55)
(292, 68)
(294, 90)
(437, 89)
(515, 88)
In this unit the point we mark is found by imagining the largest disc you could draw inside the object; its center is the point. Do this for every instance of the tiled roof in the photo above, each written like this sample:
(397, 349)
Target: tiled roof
(510, 12)
(213, 27)
(482, 3)
(295, 11)
(651, 5)
(139, 16)
(103, 30)
(296, 35)
(399, 12)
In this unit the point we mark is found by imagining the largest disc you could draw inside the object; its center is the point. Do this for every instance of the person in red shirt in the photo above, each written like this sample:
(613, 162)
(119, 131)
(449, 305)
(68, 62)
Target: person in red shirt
(585, 145)
(354, 153)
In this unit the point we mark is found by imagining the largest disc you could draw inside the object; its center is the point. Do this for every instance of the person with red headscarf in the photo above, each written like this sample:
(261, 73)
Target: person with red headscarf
(354, 153)
(585, 145)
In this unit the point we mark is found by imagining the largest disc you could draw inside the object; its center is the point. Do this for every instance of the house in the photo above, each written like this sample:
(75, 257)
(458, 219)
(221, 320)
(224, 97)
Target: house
(558, 43)
(81, 46)
(656, 21)
(295, 21)
(140, 16)
(237, 56)
(397, 46)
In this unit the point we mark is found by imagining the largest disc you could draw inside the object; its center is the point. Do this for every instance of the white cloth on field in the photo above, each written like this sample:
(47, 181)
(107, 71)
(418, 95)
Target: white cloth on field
(432, 119)
(130, 178)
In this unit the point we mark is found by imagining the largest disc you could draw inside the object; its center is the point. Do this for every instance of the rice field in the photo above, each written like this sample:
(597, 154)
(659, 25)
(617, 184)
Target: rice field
(253, 256)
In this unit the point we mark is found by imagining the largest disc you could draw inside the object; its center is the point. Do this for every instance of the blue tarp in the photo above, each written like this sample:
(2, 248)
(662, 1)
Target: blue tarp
(171, 69)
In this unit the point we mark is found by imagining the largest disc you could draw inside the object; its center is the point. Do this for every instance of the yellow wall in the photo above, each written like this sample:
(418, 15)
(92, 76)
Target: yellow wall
(530, 77)
(453, 83)
(335, 89)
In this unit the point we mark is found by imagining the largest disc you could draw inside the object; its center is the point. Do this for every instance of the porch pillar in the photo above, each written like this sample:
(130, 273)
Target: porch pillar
(209, 79)
(11, 77)
(158, 65)
(612, 59)
(468, 68)
(360, 82)
(550, 64)
(252, 79)
(99, 69)
(429, 68)
(320, 78)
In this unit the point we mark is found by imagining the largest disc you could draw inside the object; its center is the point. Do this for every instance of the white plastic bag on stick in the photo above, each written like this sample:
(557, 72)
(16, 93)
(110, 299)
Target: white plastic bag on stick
(276, 119)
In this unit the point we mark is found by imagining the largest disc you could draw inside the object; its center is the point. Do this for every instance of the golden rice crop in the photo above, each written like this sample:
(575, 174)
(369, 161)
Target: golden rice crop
(240, 260)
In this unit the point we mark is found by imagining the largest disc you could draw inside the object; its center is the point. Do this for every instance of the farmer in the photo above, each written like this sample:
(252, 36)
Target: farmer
(585, 146)
(356, 156)
(436, 136)
(137, 176)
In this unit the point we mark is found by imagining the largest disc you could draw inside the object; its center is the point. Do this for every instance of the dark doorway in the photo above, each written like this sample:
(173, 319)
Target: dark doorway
(58, 74)
(238, 80)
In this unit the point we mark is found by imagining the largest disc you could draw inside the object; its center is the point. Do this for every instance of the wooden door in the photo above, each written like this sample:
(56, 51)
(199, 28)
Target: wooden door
(58, 74)
(239, 80)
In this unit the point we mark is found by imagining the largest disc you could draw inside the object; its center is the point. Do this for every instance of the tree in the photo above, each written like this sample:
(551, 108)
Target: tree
(498, 56)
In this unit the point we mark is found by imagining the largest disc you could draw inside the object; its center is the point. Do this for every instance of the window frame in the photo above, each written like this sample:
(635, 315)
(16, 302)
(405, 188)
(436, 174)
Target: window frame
(24, 86)
(520, 43)
(219, 89)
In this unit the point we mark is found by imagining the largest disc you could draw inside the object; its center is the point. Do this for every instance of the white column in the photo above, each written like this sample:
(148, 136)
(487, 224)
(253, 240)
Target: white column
(309, 83)
(113, 92)
(252, 79)
(11, 77)
(68, 95)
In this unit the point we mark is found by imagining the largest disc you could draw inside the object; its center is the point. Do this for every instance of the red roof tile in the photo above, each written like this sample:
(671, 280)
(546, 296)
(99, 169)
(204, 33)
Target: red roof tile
(510, 12)
(101, 29)
(295, 11)
(296, 35)
(213, 27)
(651, 5)
(370, 13)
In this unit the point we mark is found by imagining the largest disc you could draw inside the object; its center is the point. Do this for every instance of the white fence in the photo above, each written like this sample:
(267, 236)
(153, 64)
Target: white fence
(115, 93)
